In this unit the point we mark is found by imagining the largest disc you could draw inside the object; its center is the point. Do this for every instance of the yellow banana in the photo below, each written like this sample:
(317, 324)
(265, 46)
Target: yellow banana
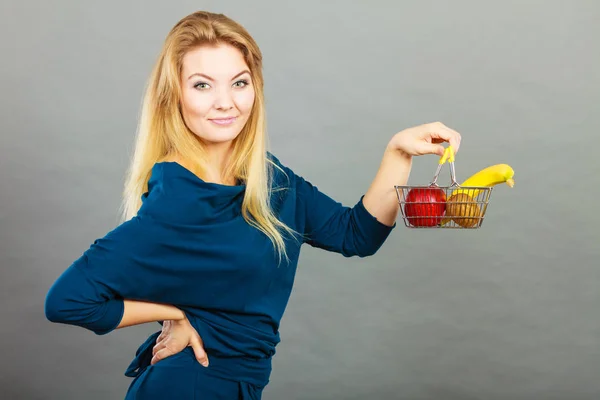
(466, 205)
(490, 176)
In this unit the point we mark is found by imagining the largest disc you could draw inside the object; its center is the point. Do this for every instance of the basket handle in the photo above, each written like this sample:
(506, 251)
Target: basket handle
(448, 156)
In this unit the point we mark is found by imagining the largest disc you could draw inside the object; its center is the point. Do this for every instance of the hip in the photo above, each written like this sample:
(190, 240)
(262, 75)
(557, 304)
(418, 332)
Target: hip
(181, 376)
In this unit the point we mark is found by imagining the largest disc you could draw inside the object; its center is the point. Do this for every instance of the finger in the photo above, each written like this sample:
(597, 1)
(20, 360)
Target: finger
(165, 331)
(431, 148)
(158, 347)
(454, 140)
(199, 351)
(445, 134)
(161, 355)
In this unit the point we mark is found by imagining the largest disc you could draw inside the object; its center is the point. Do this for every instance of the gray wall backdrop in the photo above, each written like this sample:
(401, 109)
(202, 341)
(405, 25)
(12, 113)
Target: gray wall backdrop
(510, 311)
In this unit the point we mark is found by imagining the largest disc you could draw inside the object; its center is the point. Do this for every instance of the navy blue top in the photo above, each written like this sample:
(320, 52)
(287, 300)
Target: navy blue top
(190, 247)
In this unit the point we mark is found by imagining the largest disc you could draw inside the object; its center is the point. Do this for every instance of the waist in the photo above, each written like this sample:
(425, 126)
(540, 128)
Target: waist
(255, 371)
(237, 335)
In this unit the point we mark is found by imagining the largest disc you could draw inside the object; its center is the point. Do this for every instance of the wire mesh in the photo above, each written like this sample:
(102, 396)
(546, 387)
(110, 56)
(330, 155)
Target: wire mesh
(447, 207)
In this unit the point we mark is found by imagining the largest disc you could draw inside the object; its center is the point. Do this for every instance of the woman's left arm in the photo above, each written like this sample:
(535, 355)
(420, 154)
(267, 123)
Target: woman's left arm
(381, 199)
(362, 229)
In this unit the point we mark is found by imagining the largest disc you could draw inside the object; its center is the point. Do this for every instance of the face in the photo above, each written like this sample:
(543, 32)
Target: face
(217, 93)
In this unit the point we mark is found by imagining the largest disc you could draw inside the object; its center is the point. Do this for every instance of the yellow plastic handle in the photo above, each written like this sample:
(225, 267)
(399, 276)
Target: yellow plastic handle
(448, 155)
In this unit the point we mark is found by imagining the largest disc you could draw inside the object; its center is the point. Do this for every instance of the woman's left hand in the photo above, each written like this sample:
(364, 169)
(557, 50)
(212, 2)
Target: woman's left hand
(425, 139)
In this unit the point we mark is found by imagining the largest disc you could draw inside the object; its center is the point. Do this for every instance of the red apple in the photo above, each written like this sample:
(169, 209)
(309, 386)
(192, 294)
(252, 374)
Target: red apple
(425, 206)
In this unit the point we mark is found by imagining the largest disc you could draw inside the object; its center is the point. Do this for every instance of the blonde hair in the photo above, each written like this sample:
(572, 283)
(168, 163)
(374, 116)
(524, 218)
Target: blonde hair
(162, 131)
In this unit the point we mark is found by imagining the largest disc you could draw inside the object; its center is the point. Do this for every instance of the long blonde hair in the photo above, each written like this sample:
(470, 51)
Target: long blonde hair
(162, 131)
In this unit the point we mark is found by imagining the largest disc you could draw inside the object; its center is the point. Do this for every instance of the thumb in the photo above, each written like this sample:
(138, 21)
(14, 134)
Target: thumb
(199, 352)
(431, 148)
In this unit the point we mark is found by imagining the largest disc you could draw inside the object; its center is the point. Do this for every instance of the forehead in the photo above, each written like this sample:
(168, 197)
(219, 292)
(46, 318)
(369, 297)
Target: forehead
(220, 61)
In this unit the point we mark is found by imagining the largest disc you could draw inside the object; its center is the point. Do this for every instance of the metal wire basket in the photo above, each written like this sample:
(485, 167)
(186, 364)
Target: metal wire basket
(448, 207)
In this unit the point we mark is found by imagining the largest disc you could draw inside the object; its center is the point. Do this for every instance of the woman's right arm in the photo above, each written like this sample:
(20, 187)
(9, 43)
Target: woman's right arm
(114, 283)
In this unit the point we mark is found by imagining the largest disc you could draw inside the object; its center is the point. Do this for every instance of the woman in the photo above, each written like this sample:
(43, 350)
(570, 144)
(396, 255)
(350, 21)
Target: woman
(213, 223)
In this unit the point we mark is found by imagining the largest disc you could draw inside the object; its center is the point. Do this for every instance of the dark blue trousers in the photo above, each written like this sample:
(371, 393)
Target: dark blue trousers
(181, 377)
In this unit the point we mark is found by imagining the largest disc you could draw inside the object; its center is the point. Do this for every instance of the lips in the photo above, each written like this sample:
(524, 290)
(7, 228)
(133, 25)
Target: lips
(223, 121)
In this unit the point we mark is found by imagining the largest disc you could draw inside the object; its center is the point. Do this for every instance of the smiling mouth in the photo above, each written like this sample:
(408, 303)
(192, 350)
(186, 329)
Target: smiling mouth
(223, 121)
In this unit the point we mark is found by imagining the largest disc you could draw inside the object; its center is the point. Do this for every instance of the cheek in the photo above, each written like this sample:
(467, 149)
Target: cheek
(245, 101)
(195, 104)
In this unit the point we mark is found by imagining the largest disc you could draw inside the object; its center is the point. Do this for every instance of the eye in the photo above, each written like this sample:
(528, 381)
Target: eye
(199, 85)
(243, 82)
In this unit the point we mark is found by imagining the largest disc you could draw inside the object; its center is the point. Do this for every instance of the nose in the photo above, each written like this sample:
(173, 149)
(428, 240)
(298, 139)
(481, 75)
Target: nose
(223, 100)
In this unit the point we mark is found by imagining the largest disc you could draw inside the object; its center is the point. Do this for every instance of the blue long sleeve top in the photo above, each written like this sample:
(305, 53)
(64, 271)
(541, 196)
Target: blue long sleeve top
(190, 247)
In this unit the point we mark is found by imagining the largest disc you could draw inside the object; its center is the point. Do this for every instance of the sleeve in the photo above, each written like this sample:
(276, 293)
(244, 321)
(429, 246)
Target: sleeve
(329, 225)
(90, 292)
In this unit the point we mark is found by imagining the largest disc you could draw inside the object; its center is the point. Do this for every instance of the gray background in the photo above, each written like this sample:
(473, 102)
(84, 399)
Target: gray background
(510, 311)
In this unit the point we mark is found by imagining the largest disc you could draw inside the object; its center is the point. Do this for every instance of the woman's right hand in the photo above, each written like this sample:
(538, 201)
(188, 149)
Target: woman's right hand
(176, 335)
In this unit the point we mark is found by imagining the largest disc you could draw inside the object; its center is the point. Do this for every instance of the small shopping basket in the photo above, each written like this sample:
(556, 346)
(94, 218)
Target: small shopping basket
(448, 207)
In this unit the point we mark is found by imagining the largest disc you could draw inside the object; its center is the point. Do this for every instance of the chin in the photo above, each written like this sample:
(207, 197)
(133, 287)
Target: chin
(218, 137)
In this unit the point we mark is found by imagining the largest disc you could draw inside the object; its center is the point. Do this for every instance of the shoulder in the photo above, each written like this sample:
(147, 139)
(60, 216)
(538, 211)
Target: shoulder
(273, 160)
(282, 174)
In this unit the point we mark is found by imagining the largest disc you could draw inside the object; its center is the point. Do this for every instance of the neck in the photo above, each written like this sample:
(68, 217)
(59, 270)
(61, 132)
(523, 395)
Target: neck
(218, 156)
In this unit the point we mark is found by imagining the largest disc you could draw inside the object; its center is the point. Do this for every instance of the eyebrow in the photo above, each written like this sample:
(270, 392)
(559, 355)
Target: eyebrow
(211, 79)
